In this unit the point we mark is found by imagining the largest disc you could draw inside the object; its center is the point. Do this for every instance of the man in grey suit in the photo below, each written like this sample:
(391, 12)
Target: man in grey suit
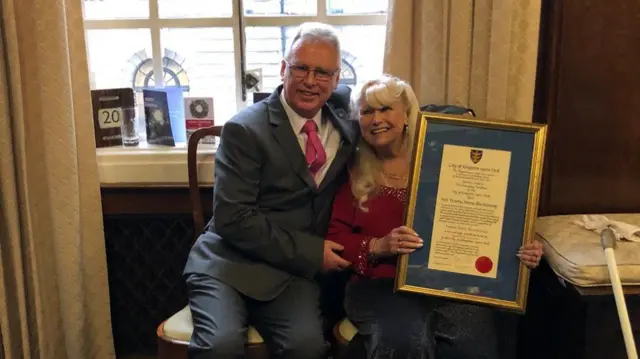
(277, 169)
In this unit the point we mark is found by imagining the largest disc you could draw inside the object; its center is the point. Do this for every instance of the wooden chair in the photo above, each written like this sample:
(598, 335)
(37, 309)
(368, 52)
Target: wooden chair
(174, 333)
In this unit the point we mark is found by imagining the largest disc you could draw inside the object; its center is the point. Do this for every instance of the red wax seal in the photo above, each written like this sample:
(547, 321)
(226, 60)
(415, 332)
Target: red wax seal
(484, 264)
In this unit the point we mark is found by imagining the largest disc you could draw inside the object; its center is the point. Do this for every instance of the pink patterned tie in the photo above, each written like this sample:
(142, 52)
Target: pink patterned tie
(314, 152)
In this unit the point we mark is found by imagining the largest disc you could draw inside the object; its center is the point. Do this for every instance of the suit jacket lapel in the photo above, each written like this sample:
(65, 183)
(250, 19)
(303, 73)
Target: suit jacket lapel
(348, 132)
(283, 133)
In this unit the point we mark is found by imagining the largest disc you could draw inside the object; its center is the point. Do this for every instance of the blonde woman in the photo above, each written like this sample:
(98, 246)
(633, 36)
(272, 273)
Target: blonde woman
(367, 220)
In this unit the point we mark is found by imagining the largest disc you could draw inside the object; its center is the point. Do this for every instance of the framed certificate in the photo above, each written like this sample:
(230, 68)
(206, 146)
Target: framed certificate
(472, 198)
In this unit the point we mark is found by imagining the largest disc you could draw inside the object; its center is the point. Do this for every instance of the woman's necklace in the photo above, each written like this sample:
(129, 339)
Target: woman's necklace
(394, 176)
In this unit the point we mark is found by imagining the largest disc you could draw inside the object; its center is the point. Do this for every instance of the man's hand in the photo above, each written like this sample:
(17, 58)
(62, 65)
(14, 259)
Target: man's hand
(331, 261)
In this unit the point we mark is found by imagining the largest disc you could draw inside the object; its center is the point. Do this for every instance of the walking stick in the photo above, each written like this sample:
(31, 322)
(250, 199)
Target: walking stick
(608, 241)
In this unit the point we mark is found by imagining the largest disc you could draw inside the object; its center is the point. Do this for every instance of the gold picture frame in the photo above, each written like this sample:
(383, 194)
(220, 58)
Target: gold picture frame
(461, 207)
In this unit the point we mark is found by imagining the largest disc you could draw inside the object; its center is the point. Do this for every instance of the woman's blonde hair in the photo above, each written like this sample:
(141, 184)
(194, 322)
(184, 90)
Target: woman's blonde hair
(366, 173)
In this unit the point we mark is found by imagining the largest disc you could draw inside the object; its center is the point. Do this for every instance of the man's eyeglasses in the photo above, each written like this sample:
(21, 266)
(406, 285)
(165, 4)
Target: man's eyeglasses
(301, 71)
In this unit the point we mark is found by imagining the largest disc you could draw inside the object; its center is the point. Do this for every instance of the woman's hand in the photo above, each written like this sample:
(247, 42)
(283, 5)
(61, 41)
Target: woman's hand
(530, 254)
(400, 240)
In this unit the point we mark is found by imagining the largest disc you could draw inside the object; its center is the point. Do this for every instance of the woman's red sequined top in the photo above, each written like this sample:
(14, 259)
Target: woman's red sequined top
(354, 228)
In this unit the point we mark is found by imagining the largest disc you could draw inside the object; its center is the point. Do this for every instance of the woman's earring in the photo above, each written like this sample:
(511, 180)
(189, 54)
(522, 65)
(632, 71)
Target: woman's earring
(406, 127)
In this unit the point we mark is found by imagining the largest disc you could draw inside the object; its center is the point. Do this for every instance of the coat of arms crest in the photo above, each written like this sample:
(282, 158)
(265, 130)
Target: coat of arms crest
(476, 156)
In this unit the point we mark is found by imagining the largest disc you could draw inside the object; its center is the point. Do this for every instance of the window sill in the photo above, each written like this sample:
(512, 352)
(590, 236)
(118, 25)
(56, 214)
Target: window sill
(153, 166)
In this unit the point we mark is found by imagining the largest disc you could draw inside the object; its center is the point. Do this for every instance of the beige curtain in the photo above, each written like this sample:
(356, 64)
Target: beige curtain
(476, 53)
(54, 300)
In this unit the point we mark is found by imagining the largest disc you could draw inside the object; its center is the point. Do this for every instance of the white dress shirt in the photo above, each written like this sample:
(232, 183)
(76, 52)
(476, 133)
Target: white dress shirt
(329, 135)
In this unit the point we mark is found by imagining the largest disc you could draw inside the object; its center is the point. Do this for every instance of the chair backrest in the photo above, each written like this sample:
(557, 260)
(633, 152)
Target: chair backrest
(192, 167)
(450, 109)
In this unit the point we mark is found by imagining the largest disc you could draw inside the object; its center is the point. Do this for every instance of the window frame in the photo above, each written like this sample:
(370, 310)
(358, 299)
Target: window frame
(153, 166)
(238, 21)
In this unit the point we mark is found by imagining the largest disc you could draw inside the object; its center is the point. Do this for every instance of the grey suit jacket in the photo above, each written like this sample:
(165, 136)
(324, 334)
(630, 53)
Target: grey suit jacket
(269, 218)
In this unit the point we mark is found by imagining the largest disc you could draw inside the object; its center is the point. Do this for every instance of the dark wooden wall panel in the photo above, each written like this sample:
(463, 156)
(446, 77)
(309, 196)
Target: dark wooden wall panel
(588, 90)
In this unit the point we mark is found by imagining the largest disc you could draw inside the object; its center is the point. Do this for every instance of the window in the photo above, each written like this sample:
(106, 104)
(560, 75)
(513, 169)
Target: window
(205, 47)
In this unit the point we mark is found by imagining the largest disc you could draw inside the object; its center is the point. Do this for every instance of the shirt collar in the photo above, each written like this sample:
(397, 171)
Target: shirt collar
(296, 120)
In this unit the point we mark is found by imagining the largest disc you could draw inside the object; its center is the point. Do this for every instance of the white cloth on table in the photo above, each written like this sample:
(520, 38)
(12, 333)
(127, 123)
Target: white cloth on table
(623, 231)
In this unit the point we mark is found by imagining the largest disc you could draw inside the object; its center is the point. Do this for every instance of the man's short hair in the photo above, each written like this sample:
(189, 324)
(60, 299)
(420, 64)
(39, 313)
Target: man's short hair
(316, 31)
